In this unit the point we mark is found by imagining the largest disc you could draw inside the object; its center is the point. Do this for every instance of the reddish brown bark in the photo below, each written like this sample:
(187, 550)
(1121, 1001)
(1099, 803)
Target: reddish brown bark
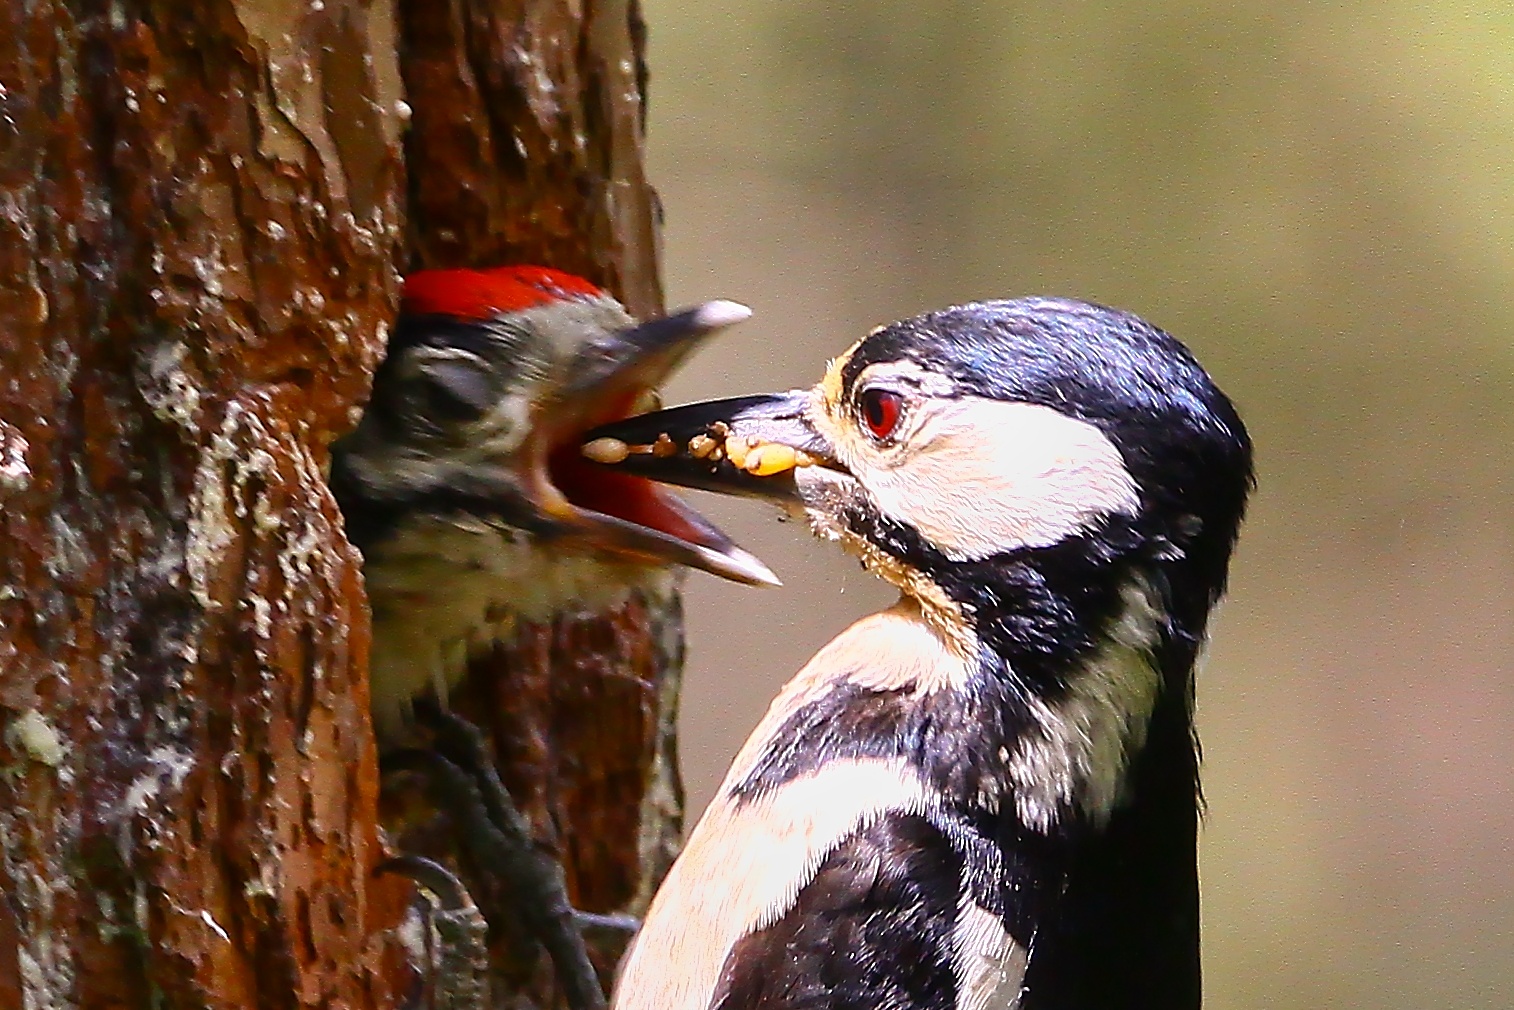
(200, 220)
(525, 143)
(526, 146)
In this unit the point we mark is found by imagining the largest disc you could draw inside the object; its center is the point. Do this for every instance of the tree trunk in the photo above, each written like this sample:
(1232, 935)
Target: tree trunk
(203, 204)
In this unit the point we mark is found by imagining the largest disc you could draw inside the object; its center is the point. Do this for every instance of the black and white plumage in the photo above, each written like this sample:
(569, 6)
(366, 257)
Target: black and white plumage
(987, 795)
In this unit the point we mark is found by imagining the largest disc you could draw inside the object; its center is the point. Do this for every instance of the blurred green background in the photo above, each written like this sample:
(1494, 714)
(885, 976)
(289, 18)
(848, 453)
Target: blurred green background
(1319, 199)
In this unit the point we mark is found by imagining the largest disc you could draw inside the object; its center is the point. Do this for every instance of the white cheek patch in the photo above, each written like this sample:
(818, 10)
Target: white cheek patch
(979, 477)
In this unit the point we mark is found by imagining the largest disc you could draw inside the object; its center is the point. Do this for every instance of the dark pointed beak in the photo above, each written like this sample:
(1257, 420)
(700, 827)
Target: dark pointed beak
(746, 445)
(626, 362)
(622, 513)
(542, 484)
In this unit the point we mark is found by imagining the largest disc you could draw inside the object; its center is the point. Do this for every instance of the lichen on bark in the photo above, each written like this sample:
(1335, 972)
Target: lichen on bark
(202, 221)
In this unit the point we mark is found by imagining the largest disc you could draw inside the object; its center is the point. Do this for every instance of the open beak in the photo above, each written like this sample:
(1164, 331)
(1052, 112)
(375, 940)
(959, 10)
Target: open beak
(620, 511)
(747, 445)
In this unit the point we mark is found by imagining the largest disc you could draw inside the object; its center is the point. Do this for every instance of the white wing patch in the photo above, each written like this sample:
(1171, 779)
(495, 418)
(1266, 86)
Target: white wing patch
(989, 964)
(742, 869)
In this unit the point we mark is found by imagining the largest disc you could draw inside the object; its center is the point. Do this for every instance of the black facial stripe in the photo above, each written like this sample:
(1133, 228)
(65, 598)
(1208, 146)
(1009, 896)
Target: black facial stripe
(952, 738)
(372, 516)
(1041, 609)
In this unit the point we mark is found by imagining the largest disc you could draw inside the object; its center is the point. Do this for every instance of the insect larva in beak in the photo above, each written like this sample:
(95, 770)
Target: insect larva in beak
(770, 458)
(736, 448)
(701, 446)
(664, 447)
(606, 450)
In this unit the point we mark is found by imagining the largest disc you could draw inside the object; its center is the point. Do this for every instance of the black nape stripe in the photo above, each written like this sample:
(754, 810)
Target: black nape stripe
(1111, 918)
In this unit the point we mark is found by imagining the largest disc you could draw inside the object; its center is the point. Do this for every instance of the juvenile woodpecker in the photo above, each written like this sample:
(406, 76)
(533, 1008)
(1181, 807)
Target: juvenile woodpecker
(986, 795)
(462, 486)
(464, 490)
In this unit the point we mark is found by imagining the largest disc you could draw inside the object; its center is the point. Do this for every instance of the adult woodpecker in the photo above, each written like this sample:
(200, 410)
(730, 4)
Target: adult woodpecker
(986, 795)
(463, 488)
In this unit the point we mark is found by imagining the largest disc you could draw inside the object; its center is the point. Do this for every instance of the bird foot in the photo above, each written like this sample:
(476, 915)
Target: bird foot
(493, 833)
(460, 963)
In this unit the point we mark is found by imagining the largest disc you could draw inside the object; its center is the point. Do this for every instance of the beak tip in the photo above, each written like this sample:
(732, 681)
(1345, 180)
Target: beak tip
(719, 314)
(744, 566)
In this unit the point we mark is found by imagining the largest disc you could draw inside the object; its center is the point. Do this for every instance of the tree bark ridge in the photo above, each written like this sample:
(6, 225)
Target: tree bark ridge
(201, 215)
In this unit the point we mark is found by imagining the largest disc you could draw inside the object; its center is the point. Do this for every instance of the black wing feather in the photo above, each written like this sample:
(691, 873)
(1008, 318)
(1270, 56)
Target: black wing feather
(872, 931)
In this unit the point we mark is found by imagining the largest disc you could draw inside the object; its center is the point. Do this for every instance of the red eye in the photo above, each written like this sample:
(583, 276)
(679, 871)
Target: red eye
(880, 411)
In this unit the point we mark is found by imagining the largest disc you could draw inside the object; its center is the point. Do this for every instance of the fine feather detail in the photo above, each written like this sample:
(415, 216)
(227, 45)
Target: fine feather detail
(1078, 751)
(744, 865)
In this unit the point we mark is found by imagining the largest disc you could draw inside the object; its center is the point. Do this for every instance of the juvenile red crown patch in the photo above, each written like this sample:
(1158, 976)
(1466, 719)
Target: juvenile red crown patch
(483, 294)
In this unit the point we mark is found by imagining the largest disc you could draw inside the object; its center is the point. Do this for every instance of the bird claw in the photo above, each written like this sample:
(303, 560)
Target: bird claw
(433, 876)
(493, 833)
(460, 963)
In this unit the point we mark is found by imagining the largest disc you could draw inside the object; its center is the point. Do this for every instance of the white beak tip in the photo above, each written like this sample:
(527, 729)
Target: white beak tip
(720, 314)
(742, 566)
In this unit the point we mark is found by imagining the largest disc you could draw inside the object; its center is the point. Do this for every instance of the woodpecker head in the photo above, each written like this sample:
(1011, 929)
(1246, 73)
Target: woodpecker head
(1011, 464)
(463, 485)
(490, 377)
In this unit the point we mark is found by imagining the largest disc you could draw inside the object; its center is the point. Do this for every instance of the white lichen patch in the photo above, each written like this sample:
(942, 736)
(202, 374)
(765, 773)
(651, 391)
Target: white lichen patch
(210, 531)
(32, 734)
(227, 466)
(34, 886)
(168, 769)
(15, 475)
(262, 617)
(170, 392)
(70, 551)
